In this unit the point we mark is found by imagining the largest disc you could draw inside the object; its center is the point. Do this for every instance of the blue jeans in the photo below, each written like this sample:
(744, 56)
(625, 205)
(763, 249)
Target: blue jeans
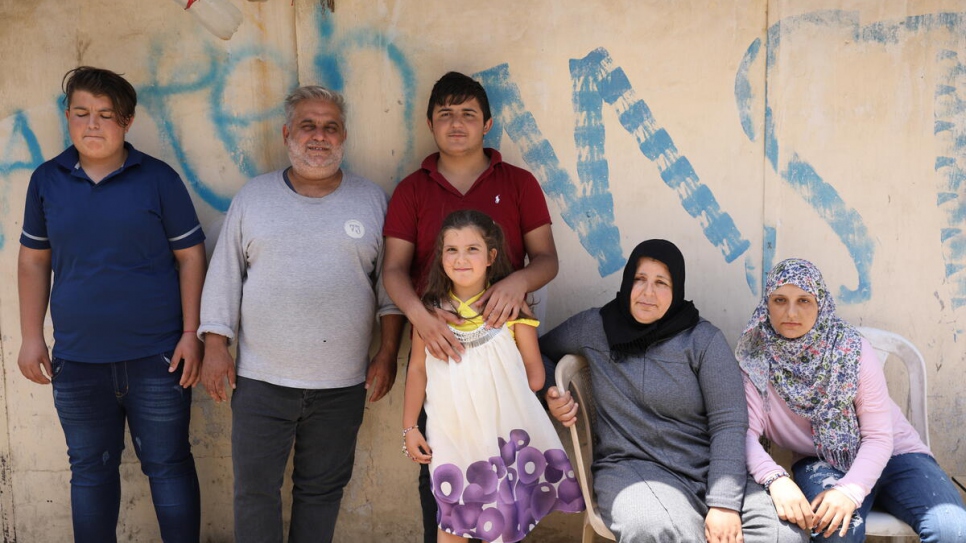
(912, 488)
(267, 421)
(93, 401)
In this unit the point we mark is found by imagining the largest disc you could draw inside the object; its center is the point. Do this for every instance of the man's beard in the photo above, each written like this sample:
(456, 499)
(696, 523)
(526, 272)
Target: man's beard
(314, 167)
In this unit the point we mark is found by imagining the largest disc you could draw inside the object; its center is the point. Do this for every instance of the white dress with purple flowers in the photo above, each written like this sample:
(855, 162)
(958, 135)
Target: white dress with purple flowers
(498, 466)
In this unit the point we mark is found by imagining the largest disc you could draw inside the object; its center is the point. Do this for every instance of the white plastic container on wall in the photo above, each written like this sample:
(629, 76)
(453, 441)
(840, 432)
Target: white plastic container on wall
(220, 17)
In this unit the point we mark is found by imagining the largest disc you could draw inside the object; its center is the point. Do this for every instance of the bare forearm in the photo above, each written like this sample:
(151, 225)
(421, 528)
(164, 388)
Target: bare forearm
(391, 328)
(415, 395)
(191, 275)
(415, 383)
(33, 287)
(539, 271)
(400, 288)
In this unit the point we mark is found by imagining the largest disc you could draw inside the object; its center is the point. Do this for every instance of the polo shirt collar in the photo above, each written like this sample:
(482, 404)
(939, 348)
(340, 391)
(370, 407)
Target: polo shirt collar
(431, 165)
(70, 160)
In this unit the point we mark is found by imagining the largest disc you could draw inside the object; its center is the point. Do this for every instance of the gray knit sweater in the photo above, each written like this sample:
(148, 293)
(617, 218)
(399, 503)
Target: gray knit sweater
(293, 280)
(681, 405)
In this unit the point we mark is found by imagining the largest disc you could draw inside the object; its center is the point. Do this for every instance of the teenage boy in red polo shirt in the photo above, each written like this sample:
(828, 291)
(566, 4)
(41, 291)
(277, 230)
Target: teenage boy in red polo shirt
(463, 175)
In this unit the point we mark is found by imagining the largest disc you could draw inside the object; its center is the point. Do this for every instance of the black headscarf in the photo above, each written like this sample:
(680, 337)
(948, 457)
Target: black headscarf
(625, 335)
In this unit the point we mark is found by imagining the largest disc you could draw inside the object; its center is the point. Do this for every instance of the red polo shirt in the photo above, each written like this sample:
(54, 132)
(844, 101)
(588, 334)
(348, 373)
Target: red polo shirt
(508, 194)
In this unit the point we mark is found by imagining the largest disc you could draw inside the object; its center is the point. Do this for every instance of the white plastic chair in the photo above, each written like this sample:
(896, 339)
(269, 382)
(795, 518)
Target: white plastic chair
(880, 523)
(573, 373)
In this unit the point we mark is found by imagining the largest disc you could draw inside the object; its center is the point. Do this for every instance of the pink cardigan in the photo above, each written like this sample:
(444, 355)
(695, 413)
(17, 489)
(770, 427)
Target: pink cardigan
(884, 430)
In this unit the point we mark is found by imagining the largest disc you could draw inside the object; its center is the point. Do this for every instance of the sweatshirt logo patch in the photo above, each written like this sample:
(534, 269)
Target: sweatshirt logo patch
(497, 199)
(354, 228)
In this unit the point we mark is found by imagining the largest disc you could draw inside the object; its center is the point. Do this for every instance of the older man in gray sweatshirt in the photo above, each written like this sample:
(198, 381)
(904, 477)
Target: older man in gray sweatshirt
(293, 281)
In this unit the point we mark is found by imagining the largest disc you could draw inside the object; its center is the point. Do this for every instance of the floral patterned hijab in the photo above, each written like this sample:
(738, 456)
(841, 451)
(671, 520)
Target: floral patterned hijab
(817, 374)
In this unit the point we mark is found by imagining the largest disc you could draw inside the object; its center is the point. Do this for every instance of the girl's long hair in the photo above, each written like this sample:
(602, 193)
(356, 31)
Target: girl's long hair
(438, 285)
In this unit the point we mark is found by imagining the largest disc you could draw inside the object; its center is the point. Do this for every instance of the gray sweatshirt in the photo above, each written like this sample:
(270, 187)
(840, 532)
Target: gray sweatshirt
(293, 281)
(681, 405)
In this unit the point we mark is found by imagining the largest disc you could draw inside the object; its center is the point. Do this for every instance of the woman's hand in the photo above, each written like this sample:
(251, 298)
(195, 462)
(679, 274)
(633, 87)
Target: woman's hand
(722, 526)
(790, 504)
(417, 448)
(562, 406)
(833, 509)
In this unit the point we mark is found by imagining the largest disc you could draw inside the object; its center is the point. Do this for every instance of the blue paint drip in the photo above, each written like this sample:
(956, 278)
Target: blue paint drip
(942, 161)
(589, 214)
(844, 220)
(64, 131)
(750, 270)
(770, 242)
(771, 142)
(656, 144)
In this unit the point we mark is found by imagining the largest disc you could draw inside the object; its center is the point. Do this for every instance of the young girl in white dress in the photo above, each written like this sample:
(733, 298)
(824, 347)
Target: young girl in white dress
(496, 464)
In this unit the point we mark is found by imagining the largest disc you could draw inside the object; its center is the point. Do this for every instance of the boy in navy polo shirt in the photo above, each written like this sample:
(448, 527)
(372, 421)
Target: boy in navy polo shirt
(119, 232)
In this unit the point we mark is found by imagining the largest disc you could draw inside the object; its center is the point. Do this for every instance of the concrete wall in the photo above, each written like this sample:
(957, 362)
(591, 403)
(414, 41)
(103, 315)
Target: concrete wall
(746, 132)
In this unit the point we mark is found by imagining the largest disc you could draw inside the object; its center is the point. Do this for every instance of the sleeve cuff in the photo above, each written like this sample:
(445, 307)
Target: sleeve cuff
(219, 329)
(188, 239)
(853, 492)
(391, 310)
(31, 242)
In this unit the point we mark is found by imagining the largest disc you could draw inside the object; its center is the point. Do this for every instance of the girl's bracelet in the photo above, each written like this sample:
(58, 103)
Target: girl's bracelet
(405, 431)
(771, 479)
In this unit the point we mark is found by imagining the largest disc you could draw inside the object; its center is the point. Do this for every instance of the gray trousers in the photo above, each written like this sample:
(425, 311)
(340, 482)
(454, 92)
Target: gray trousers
(267, 421)
(643, 503)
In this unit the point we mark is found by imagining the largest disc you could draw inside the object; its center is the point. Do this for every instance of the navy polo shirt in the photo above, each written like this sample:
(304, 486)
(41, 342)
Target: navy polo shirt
(115, 293)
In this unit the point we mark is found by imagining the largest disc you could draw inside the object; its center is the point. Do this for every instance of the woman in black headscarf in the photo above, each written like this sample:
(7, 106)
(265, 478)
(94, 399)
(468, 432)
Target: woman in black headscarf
(671, 413)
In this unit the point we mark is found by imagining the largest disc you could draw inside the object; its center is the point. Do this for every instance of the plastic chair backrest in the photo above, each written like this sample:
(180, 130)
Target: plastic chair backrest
(879, 523)
(887, 343)
(573, 373)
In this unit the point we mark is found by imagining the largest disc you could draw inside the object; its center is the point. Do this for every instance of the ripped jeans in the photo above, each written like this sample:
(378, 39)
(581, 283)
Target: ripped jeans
(93, 401)
(912, 488)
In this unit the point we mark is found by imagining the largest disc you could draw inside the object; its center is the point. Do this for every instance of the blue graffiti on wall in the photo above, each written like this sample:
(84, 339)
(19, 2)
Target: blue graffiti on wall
(23, 141)
(589, 213)
(596, 79)
(329, 64)
(588, 208)
(586, 202)
(950, 129)
(822, 196)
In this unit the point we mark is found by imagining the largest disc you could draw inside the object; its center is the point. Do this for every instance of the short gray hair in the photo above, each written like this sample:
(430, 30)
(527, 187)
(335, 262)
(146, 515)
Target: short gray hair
(312, 92)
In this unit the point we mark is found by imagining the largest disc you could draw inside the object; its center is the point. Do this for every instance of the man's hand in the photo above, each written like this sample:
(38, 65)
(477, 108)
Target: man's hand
(790, 504)
(562, 406)
(439, 339)
(190, 350)
(833, 511)
(34, 361)
(504, 301)
(381, 375)
(722, 526)
(218, 365)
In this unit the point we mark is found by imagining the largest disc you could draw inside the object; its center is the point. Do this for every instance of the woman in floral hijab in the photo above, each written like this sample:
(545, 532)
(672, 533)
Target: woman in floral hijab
(815, 387)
